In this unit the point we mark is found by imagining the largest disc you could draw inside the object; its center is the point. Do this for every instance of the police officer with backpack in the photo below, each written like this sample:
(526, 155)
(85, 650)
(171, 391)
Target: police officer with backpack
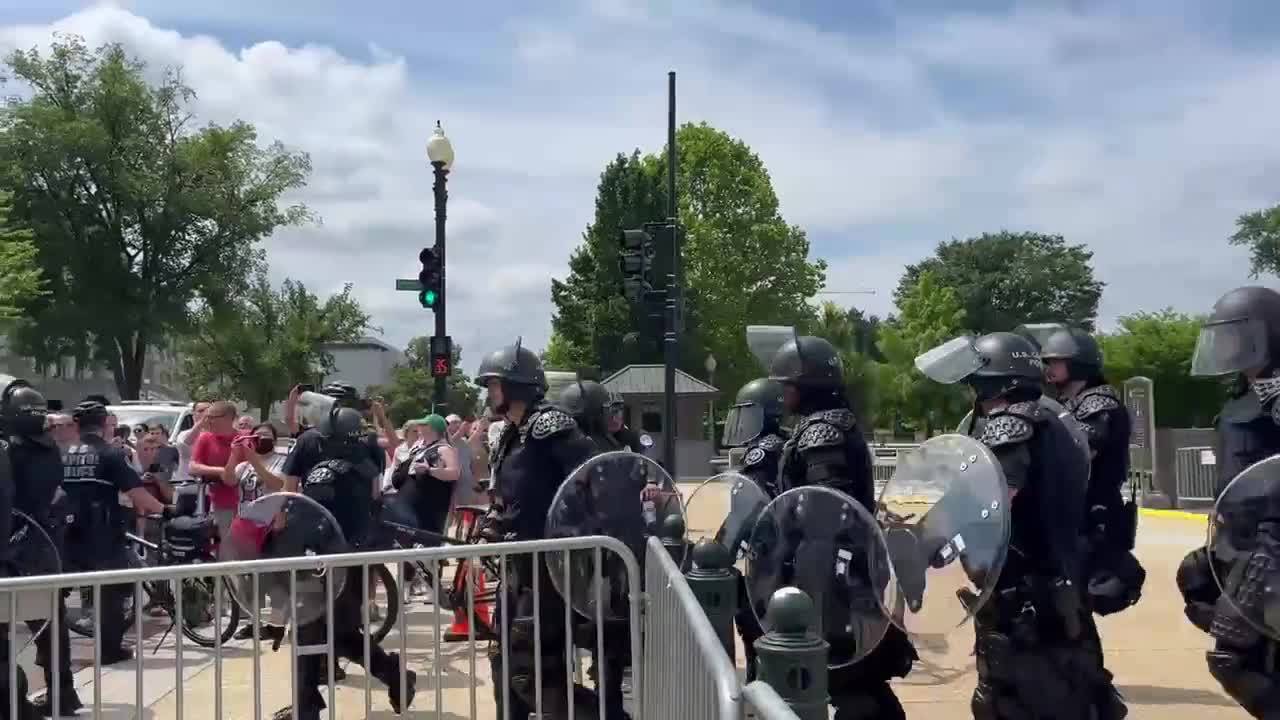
(339, 466)
(94, 474)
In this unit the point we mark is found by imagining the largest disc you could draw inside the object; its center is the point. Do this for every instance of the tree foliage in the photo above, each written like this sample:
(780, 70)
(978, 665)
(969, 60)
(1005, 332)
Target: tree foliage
(930, 313)
(1005, 279)
(135, 213)
(743, 264)
(1259, 231)
(1159, 345)
(256, 346)
(21, 280)
(411, 392)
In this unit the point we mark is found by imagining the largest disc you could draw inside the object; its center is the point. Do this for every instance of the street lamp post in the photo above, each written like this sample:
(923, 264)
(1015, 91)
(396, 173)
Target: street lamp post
(440, 153)
(710, 366)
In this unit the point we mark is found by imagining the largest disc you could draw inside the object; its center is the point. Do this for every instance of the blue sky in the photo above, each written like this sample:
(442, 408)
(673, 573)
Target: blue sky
(1141, 128)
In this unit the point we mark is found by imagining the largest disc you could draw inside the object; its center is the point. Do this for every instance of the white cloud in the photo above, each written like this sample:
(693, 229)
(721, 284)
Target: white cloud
(1128, 132)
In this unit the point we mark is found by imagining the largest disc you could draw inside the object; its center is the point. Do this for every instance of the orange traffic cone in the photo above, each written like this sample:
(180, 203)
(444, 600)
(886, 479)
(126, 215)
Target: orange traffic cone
(460, 628)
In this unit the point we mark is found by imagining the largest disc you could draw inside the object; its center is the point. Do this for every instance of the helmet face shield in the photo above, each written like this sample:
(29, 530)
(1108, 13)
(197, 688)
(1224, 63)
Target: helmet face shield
(743, 423)
(1230, 346)
(950, 362)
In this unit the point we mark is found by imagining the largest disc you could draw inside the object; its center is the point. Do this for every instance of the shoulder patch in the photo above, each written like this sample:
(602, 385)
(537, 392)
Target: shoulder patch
(754, 456)
(1006, 429)
(819, 434)
(1095, 403)
(551, 421)
(839, 417)
(1029, 410)
(770, 443)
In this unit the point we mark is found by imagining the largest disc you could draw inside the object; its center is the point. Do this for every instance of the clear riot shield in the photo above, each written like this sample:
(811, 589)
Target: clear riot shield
(1244, 541)
(946, 520)
(32, 553)
(284, 525)
(724, 510)
(825, 543)
(623, 495)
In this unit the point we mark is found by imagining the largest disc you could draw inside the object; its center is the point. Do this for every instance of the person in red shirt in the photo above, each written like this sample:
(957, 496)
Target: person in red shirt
(210, 457)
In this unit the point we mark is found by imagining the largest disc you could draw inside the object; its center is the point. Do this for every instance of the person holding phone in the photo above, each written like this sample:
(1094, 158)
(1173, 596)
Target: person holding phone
(157, 476)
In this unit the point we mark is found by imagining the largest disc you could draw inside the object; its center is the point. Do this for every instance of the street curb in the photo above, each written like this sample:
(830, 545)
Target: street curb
(1180, 514)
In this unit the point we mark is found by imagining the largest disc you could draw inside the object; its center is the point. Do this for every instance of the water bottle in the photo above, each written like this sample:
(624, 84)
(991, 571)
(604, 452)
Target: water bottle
(650, 509)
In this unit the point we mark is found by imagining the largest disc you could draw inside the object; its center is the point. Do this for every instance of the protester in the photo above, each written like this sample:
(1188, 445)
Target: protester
(187, 440)
(209, 460)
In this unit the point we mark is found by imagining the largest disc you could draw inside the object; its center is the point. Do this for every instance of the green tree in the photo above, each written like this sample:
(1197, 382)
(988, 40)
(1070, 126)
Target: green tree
(743, 264)
(1159, 345)
(20, 278)
(1259, 231)
(137, 216)
(560, 354)
(411, 392)
(255, 347)
(930, 314)
(1005, 279)
(842, 329)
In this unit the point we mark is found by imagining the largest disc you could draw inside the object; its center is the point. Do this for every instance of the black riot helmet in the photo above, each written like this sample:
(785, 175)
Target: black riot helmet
(90, 415)
(997, 365)
(345, 393)
(807, 362)
(519, 371)
(23, 408)
(1078, 349)
(1242, 334)
(588, 402)
(758, 408)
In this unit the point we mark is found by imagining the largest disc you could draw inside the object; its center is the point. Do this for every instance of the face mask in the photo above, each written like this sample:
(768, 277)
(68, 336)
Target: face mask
(265, 445)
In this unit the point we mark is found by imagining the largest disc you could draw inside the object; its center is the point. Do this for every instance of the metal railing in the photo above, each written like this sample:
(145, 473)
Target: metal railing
(24, 591)
(763, 702)
(689, 675)
(1195, 472)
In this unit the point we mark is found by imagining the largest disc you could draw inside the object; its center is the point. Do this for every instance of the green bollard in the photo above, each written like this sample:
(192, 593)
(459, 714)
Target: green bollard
(672, 536)
(791, 658)
(715, 585)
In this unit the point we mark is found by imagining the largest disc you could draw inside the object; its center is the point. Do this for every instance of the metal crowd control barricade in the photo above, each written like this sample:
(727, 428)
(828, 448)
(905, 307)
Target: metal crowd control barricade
(762, 701)
(1196, 472)
(130, 688)
(687, 672)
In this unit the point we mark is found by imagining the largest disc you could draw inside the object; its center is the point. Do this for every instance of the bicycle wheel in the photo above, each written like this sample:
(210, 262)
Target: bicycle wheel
(200, 622)
(383, 612)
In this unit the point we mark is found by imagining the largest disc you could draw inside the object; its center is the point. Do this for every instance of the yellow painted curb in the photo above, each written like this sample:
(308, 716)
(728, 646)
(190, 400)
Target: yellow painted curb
(1182, 514)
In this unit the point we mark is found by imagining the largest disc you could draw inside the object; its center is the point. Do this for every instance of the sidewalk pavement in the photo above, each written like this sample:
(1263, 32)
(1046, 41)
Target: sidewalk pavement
(1157, 657)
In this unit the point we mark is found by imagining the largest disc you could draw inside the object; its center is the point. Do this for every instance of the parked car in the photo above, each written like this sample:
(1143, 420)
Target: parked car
(176, 416)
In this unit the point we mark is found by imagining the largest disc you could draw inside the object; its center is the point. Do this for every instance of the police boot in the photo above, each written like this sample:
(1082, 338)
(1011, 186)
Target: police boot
(68, 702)
(392, 681)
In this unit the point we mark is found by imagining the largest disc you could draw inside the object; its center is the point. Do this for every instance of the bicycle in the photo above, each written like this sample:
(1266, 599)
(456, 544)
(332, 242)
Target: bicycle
(183, 546)
(455, 596)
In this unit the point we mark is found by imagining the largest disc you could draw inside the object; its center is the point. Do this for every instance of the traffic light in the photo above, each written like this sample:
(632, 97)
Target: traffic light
(432, 294)
(441, 356)
(635, 260)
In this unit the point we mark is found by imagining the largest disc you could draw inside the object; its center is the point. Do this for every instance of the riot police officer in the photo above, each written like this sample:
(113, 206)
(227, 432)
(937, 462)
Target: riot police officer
(540, 446)
(37, 472)
(754, 423)
(94, 473)
(1034, 654)
(26, 711)
(1241, 337)
(827, 448)
(337, 464)
(636, 442)
(1073, 365)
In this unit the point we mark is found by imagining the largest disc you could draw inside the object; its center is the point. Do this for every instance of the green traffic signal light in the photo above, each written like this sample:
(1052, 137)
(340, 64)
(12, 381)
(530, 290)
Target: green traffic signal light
(427, 298)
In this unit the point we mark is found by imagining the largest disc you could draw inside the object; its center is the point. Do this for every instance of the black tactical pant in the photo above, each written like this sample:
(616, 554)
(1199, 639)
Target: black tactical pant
(861, 691)
(748, 626)
(613, 663)
(65, 683)
(348, 643)
(1030, 667)
(114, 624)
(516, 663)
(26, 711)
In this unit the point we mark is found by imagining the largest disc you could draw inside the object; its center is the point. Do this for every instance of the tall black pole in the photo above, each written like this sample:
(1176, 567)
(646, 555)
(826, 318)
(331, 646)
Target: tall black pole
(670, 349)
(442, 200)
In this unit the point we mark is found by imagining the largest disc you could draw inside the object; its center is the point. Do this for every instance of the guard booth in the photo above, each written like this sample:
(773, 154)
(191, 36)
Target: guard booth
(641, 388)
